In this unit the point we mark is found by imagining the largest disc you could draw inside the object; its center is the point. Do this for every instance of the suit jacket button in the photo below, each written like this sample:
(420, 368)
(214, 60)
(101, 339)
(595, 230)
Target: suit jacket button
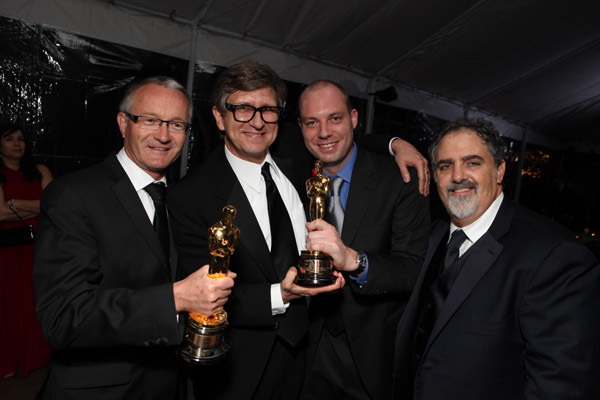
(276, 325)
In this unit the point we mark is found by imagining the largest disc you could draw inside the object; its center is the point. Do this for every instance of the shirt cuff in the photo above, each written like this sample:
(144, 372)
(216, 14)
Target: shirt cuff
(362, 278)
(390, 145)
(277, 305)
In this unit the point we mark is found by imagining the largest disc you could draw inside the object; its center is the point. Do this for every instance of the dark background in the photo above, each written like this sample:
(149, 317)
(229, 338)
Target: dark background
(64, 90)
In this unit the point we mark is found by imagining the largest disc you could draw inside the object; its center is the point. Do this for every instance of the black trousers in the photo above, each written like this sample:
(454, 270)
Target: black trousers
(333, 373)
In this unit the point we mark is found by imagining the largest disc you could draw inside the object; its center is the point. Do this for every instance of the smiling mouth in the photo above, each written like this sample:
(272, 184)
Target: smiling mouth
(254, 134)
(327, 146)
(159, 148)
(462, 190)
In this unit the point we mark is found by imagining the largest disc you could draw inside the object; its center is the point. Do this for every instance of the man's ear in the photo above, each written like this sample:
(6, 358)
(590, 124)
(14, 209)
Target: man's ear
(122, 122)
(501, 171)
(218, 118)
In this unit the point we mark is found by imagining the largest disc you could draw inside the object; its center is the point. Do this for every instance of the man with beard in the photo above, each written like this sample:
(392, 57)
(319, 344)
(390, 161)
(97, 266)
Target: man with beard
(508, 307)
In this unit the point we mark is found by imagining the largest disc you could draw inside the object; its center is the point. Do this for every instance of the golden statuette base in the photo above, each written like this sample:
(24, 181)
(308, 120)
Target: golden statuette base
(314, 269)
(204, 342)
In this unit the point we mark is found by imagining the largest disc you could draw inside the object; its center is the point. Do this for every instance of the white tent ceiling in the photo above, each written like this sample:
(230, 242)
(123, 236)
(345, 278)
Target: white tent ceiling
(531, 65)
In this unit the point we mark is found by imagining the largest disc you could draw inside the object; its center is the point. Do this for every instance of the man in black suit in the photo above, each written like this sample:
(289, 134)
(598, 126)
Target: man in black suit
(267, 312)
(104, 281)
(378, 240)
(509, 307)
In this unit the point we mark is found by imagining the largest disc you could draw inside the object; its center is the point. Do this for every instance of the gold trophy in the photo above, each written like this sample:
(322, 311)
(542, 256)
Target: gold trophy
(314, 267)
(205, 342)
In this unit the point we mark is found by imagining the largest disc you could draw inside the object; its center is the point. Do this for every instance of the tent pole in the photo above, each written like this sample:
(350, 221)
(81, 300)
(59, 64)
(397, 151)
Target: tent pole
(370, 108)
(190, 89)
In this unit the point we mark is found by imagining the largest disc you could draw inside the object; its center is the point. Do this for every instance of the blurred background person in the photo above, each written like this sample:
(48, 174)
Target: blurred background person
(22, 345)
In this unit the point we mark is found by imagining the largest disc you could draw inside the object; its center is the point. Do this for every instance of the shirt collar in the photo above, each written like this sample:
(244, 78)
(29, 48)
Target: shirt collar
(249, 172)
(346, 171)
(138, 177)
(481, 225)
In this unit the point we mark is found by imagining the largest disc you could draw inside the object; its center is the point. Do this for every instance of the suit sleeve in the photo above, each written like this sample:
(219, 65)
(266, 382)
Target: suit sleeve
(85, 295)
(560, 325)
(376, 143)
(395, 266)
(249, 304)
(190, 232)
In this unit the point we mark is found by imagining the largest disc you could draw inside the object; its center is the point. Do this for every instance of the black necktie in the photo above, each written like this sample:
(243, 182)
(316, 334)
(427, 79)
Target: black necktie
(436, 287)
(456, 240)
(158, 191)
(293, 325)
(284, 251)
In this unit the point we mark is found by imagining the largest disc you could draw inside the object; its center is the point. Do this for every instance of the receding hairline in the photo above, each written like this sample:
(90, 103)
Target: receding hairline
(321, 84)
(463, 130)
(161, 81)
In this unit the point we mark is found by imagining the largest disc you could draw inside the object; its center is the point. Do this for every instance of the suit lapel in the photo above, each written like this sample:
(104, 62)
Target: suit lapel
(230, 190)
(174, 255)
(297, 176)
(124, 191)
(364, 182)
(482, 256)
(438, 233)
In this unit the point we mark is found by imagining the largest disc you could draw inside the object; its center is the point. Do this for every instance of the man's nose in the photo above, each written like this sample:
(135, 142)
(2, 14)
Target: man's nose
(458, 174)
(257, 122)
(162, 134)
(324, 131)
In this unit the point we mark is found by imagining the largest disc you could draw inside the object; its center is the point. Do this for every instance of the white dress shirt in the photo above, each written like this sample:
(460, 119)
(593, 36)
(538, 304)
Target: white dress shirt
(253, 184)
(480, 226)
(140, 179)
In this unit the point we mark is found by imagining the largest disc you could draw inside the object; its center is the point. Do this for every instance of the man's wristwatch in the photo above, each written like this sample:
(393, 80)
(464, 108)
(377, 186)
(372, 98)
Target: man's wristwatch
(361, 263)
(11, 204)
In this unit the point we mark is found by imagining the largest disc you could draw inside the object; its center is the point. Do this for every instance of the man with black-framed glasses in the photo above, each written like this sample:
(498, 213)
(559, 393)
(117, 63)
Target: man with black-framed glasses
(105, 265)
(267, 312)
(246, 112)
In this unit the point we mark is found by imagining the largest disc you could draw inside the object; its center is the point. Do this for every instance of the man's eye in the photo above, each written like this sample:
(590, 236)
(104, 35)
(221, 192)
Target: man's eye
(242, 108)
(177, 125)
(444, 167)
(151, 121)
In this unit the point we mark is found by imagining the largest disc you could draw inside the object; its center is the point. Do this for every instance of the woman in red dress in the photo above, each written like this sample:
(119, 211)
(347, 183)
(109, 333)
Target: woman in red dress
(22, 345)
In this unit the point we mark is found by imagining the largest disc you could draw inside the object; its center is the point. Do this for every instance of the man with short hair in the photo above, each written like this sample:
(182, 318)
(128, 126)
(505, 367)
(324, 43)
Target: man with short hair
(507, 305)
(105, 264)
(267, 311)
(377, 237)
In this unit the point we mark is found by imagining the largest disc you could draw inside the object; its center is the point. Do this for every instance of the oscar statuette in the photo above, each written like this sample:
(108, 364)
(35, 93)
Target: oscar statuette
(204, 341)
(314, 267)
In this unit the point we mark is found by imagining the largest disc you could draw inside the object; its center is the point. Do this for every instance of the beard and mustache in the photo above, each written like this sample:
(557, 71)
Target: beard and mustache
(462, 206)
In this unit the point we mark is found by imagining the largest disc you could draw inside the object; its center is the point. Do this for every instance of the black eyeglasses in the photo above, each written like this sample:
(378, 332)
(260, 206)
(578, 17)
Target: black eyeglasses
(153, 123)
(245, 113)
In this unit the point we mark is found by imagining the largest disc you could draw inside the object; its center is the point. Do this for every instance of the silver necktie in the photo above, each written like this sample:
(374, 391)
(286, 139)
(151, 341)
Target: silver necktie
(335, 211)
